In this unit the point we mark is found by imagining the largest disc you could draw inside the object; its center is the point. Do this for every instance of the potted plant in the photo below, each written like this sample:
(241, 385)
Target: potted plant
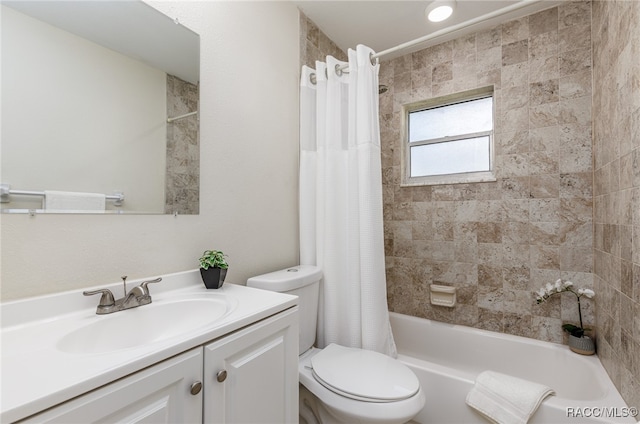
(213, 268)
(578, 341)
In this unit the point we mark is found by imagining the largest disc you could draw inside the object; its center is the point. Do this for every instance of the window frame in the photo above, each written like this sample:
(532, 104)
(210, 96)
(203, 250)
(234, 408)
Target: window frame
(457, 178)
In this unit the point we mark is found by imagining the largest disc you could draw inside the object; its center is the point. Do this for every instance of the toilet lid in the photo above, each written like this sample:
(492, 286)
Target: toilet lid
(363, 374)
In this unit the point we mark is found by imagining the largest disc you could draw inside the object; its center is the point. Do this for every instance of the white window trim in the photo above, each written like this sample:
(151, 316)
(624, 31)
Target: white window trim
(458, 178)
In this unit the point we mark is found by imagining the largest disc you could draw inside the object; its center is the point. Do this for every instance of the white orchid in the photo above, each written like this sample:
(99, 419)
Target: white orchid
(587, 292)
(565, 286)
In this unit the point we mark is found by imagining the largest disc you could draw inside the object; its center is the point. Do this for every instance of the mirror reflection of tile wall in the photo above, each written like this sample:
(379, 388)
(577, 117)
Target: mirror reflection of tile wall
(183, 149)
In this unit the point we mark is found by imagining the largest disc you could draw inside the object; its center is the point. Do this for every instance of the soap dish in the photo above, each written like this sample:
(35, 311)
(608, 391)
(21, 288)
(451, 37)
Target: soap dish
(443, 295)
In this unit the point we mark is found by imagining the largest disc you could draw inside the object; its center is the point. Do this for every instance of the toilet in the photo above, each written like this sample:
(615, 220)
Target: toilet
(340, 384)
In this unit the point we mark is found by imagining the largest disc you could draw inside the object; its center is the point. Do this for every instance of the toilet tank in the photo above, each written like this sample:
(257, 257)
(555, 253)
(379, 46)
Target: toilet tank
(302, 281)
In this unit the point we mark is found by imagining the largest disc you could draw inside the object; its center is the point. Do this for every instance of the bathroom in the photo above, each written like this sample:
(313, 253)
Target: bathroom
(586, 192)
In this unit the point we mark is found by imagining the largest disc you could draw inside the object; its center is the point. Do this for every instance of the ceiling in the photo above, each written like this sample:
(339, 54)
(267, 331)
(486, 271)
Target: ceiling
(382, 25)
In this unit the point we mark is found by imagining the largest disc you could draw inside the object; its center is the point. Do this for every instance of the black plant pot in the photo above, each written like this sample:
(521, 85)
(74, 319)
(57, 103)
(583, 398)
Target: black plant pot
(213, 277)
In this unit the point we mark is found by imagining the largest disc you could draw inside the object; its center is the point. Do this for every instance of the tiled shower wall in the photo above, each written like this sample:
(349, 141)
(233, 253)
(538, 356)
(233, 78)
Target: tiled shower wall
(315, 45)
(616, 143)
(497, 242)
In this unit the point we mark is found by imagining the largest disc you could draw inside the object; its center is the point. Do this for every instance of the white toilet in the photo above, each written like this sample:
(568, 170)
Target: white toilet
(341, 384)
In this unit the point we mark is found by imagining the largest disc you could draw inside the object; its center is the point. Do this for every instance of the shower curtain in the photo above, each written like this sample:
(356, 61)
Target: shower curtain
(341, 226)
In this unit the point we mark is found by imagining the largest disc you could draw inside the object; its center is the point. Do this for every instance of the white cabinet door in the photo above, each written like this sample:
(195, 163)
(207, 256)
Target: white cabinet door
(251, 376)
(158, 394)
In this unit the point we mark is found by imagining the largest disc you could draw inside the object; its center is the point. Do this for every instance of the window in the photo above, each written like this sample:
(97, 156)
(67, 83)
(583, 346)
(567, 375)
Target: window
(449, 139)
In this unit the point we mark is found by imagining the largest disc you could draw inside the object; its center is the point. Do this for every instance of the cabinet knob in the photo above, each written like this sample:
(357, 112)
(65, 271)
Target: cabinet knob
(221, 376)
(196, 387)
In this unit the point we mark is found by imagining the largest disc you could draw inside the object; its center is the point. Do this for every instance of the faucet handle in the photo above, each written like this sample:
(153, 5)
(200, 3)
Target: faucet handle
(105, 300)
(146, 283)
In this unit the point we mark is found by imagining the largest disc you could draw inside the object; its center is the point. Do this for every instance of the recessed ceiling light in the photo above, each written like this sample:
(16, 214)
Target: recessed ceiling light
(439, 10)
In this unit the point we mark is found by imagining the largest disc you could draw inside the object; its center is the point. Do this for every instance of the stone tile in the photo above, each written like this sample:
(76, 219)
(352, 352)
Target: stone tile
(516, 52)
(516, 188)
(577, 84)
(576, 259)
(543, 68)
(516, 75)
(545, 115)
(517, 324)
(545, 257)
(575, 111)
(488, 232)
(543, 163)
(515, 254)
(489, 320)
(489, 39)
(442, 72)
(545, 186)
(543, 45)
(574, 61)
(512, 142)
(543, 22)
(544, 92)
(517, 278)
(574, 37)
(515, 30)
(545, 138)
(515, 232)
(547, 329)
(574, 13)
(576, 209)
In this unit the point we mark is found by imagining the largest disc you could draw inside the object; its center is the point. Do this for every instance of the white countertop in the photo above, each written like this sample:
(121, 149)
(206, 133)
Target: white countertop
(36, 375)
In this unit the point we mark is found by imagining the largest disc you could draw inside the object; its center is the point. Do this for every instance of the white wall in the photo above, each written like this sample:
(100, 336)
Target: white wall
(55, 138)
(249, 132)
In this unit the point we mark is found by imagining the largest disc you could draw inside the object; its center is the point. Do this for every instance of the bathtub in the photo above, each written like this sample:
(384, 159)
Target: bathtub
(447, 358)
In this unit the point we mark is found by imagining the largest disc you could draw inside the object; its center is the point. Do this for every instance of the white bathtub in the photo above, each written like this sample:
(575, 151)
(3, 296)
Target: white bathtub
(447, 358)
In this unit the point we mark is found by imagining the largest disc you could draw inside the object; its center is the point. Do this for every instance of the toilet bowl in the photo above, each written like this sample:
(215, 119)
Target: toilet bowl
(341, 384)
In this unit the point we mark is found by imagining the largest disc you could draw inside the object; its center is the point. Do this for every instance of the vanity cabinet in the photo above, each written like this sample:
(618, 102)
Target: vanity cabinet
(251, 376)
(248, 376)
(158, 394)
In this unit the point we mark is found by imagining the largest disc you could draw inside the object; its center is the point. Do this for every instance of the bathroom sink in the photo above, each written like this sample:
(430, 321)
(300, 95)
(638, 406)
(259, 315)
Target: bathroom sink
(147, 324)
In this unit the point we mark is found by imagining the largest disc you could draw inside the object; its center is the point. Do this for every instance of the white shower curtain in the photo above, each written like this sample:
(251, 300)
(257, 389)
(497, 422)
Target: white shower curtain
(341, 226)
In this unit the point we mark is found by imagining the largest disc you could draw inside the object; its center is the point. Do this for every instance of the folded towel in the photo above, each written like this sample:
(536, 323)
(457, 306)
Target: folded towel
(505, 399)
(73, 201)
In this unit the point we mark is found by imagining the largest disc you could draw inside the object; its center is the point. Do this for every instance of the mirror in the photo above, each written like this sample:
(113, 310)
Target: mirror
(99, 109)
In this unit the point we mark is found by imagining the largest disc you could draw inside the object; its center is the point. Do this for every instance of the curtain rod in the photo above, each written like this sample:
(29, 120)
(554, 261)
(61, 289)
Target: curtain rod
(441, 32)
(170, 120)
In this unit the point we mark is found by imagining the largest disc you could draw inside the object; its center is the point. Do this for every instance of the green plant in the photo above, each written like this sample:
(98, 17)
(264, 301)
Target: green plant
(560, 287)
(213, 259)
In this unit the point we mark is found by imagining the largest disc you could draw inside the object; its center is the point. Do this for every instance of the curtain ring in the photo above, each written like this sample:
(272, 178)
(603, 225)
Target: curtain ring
(373, 60)
(312, 78)
(338, 70)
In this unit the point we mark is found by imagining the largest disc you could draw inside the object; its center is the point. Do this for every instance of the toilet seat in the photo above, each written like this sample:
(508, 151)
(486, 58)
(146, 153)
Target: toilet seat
(363, 375)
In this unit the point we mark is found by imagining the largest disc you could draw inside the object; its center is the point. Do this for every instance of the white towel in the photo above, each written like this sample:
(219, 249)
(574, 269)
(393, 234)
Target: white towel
(73, 201)
(505, 399)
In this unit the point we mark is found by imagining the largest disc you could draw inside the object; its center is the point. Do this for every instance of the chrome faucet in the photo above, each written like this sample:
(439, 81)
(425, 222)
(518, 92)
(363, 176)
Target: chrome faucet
(138, 296)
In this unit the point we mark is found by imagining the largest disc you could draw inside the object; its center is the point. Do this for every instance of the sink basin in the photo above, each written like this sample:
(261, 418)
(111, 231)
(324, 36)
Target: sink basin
(147, 324)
